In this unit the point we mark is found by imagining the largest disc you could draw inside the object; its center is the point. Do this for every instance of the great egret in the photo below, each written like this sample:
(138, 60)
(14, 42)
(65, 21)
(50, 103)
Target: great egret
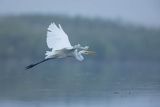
(58, 42)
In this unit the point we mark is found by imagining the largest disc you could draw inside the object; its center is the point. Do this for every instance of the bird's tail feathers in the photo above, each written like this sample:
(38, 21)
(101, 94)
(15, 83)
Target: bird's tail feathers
(48, 54)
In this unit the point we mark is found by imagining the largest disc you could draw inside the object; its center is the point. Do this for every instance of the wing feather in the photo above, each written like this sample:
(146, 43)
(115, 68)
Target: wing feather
(56, 38)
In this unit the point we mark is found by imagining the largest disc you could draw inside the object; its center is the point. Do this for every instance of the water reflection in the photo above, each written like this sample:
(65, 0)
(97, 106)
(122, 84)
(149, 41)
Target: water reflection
(135, 101)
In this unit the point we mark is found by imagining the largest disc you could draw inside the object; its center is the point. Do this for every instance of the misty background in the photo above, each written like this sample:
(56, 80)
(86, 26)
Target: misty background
(143, 12)
(125, 72)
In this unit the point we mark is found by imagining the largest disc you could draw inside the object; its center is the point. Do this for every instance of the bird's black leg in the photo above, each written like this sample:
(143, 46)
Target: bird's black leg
(32, 65)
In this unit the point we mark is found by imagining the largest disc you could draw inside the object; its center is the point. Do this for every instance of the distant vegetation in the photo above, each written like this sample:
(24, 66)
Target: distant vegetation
(125, 53)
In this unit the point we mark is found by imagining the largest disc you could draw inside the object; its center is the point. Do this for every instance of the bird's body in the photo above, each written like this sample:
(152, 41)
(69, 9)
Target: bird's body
(58, 42)
(62, 53)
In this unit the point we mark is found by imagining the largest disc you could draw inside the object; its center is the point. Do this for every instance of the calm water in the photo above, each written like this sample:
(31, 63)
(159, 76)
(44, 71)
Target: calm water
(121, 93)
(115, 102)
(116, 99)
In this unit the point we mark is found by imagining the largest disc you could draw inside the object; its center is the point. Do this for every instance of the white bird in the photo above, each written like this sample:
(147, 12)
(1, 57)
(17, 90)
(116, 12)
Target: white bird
(58, 42)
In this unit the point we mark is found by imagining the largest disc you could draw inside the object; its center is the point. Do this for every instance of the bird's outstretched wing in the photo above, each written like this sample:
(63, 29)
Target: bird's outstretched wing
(56, 38)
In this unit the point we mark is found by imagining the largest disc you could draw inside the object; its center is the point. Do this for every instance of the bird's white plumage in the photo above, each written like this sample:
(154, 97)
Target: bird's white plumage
(56, 38)
(58, 41)
(78, 55)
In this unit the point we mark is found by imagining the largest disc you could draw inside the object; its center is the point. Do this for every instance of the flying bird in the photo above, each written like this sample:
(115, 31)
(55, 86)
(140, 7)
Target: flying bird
(58, 42)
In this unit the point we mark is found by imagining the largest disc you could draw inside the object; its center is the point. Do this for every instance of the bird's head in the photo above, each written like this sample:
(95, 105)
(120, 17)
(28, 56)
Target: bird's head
(86, 52)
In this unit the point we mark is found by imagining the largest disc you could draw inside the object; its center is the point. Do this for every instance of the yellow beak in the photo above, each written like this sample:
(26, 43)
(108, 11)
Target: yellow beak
(90, 52)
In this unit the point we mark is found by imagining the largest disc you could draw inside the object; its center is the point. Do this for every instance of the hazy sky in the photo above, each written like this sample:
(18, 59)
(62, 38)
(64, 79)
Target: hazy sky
(144, 12)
